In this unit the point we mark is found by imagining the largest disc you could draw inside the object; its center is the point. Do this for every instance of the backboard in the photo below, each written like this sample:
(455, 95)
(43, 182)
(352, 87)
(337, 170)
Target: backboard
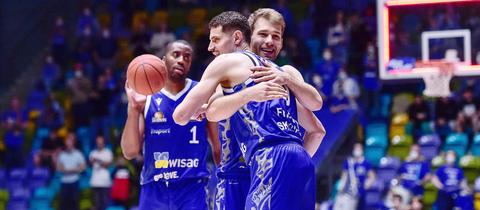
(412, 31)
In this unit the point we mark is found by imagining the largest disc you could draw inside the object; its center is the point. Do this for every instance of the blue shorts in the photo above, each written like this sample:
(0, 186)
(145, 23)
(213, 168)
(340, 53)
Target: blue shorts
(231, 193)
(188, 194)
(283, 177)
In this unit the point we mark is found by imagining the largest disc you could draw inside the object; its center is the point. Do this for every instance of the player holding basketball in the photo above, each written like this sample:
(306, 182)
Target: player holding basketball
(230, 190)
(174, 174)
(268, 131)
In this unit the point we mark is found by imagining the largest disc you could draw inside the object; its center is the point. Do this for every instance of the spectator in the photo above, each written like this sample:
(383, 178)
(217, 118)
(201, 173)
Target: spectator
(337, 38)
(101, 98)
(84, 51)
(87, 20)
(58, 42)
(105, 50)
(357, 176)
(347, 86)
(160, 39)
(371, 82)
(121, 185)
(449, 180)
(80, 88)
(50, 148)
(52, 116)
(468, 107)
(418, 113)
(70, 163)
(13, 138)
(416, 203)
(328, 68)
(15, 115)
(414, 172)
(446, 111)
(101, 158)
(50, 73)
(140, 39)
(318, 84)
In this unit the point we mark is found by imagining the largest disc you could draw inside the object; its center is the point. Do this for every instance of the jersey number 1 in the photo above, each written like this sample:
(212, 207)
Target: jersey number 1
(194, 135)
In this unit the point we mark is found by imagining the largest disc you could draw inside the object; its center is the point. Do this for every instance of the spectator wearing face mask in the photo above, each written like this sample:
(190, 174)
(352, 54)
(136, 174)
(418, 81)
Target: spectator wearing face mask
(414, 172)
(346, 87)
(328, 69)
(357, 176)
(449, 180)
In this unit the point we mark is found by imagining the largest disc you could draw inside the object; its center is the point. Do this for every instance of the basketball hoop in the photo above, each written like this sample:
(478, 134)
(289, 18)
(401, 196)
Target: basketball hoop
(436, 75)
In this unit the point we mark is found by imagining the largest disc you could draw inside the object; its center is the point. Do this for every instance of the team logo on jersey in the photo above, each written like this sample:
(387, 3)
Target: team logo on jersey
(161, 159)
(158, 101)
(158, 117)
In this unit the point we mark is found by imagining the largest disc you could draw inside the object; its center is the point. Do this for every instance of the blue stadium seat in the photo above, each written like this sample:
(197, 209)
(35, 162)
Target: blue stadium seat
(429, 145)
(386, 100)
(39, 177)
(457, 142)
(16, 178)
(3, 178)
(375, 149)
(387, 170)
(476, 145)
(373, 195)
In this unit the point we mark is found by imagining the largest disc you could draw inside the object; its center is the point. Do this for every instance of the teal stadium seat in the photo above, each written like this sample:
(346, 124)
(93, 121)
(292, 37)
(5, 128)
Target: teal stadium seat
(376, 129)
(375, 147)
(457, 142)
(476, 145)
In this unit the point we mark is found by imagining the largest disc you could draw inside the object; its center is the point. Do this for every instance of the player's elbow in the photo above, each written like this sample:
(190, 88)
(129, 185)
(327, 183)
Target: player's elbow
(180, 117)
(211, 116)
(317, 104)
(130, 153)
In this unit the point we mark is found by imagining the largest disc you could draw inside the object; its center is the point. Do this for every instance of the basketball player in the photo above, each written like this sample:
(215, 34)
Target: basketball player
(231, 189)
(174, 174)
(268, 131)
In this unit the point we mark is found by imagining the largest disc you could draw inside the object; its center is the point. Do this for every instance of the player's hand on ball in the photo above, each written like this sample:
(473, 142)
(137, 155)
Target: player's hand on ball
(265, 91)
(269, 73)
(135, 100)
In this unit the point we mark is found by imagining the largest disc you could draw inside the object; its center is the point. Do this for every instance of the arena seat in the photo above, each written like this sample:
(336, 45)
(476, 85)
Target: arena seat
(401, 102)
(429, 145)
(38, 177)
(375, 148)
(436, 162)
(430, 195)
(457, 142)
(3, 178)
(16, 178)
(471, 166)
(376, 129)
(400, 146)
(387, 170)
(373, 195)
(475, 149)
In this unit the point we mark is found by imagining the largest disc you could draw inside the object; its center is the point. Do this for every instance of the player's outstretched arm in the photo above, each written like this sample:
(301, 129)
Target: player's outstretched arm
(199, 95)
(315, 132)
(223, 107)
(132, 136)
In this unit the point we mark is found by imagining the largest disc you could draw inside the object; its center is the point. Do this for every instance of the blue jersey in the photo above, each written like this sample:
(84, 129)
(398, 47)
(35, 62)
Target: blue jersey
(450, 177)
(259, 124)
(231, 159)
(172, 152)
(360, 170)
(412, 172)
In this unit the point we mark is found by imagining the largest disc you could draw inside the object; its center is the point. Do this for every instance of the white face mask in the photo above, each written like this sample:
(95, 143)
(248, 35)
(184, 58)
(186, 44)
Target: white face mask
(357, 153)
(413, 155)
(450, 159)
(327, 55)
(342, 75)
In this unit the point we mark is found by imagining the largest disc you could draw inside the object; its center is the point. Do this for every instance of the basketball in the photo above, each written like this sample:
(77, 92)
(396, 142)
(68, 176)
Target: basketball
(146, 74)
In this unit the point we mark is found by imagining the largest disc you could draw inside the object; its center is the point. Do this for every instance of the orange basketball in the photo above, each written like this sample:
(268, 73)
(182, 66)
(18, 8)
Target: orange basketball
(146, 74)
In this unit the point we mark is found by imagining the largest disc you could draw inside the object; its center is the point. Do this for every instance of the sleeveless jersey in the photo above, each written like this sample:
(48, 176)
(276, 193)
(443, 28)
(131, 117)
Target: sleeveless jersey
(259, 124)
(231, 159)
(172, 152)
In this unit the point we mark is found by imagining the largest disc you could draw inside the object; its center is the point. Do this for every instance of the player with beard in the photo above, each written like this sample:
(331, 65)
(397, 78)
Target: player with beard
(268, 131)
(174, 174)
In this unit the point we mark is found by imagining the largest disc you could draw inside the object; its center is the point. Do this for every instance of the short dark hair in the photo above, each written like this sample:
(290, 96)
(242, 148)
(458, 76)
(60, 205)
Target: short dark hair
(181, 41)
(231, 20)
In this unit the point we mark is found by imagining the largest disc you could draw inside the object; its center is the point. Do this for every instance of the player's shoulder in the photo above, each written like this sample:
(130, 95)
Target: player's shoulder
(231, 58)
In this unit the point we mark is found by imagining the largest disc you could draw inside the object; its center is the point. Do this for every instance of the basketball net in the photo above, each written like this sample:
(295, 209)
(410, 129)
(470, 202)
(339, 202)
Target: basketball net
(437, 76)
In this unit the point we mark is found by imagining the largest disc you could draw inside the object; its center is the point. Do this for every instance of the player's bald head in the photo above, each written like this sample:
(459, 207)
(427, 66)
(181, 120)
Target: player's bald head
(179, 42)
